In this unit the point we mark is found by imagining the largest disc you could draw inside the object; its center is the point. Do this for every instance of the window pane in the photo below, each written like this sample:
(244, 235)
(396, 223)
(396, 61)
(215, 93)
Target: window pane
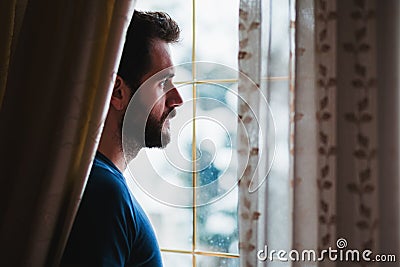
(215, 71)
(217, 31)
(217, 225)
(216, 125)
(176, 260)
(208, 261)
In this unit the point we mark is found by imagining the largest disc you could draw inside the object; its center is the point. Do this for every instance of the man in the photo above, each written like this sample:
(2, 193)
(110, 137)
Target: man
(110, 228)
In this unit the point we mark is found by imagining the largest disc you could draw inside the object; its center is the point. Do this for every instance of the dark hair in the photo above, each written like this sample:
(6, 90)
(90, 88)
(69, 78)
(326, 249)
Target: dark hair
(143, 29)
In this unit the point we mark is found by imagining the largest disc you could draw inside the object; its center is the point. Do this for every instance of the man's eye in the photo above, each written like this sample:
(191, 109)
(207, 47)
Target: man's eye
(163, 84)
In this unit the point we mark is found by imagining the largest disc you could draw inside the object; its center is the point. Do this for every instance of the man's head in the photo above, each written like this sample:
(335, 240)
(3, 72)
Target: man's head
(145, 28)
(146, 64)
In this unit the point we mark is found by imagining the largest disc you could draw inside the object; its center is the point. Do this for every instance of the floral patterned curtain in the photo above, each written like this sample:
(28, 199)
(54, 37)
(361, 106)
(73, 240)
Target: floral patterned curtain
(335, 126)
(335, 113)
(252, 170)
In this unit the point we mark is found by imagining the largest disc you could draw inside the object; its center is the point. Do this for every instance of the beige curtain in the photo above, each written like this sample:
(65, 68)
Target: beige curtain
(58, 60)
(313, 136)
(254, 118)
(249, 28)
(343, 133)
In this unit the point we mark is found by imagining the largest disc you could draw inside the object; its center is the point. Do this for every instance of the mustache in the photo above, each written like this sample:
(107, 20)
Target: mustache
(170, 114)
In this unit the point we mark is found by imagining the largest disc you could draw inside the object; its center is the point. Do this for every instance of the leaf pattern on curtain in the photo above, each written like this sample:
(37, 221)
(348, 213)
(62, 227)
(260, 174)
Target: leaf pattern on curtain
(361, 121)
(248, 150)
(325, 40)
(334, 127)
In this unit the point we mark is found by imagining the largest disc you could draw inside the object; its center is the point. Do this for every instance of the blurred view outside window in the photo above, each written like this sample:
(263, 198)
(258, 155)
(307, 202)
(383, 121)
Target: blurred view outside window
(198, 226)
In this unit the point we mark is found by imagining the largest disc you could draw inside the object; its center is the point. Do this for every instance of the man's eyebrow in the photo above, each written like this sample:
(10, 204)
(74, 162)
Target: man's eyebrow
(166, 76)
(169, 75)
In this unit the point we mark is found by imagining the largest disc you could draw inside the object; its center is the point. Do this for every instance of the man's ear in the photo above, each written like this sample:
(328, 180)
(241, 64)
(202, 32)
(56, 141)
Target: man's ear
(121, 94)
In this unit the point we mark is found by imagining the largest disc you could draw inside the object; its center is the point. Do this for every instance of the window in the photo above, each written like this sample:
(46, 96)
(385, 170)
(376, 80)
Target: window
(190, 193)
(189, 189)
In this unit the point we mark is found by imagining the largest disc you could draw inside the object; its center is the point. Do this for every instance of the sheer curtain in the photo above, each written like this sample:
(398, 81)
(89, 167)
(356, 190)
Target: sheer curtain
(337, 135)
(343, 175)
(249, 28)
(255, 128)
(58, 61)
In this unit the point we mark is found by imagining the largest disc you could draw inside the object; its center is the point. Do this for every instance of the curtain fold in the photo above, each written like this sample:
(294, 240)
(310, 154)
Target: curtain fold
(6, 29)
(357, 166)
(58, 77)
(253, 158)
(304, 159)
(249, 29)
(10, 24)
(7, 21)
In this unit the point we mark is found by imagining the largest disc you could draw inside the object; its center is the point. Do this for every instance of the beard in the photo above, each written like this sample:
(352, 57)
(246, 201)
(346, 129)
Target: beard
(139, 132)
(156, 132)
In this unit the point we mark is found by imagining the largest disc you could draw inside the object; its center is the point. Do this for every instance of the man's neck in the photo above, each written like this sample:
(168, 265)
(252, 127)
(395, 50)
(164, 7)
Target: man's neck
(116, 158)
(112, 149)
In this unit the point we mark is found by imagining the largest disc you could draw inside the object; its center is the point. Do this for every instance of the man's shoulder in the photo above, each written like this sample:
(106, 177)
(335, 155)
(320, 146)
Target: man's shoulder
(103, 231)
(105, 174)
(107, 183)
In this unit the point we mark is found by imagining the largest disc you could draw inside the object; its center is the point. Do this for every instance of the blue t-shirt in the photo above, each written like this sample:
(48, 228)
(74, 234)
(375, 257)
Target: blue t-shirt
(110, 228)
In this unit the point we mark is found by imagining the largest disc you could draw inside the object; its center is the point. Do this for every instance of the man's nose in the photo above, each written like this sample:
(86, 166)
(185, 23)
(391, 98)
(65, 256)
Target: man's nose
(174, 99)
